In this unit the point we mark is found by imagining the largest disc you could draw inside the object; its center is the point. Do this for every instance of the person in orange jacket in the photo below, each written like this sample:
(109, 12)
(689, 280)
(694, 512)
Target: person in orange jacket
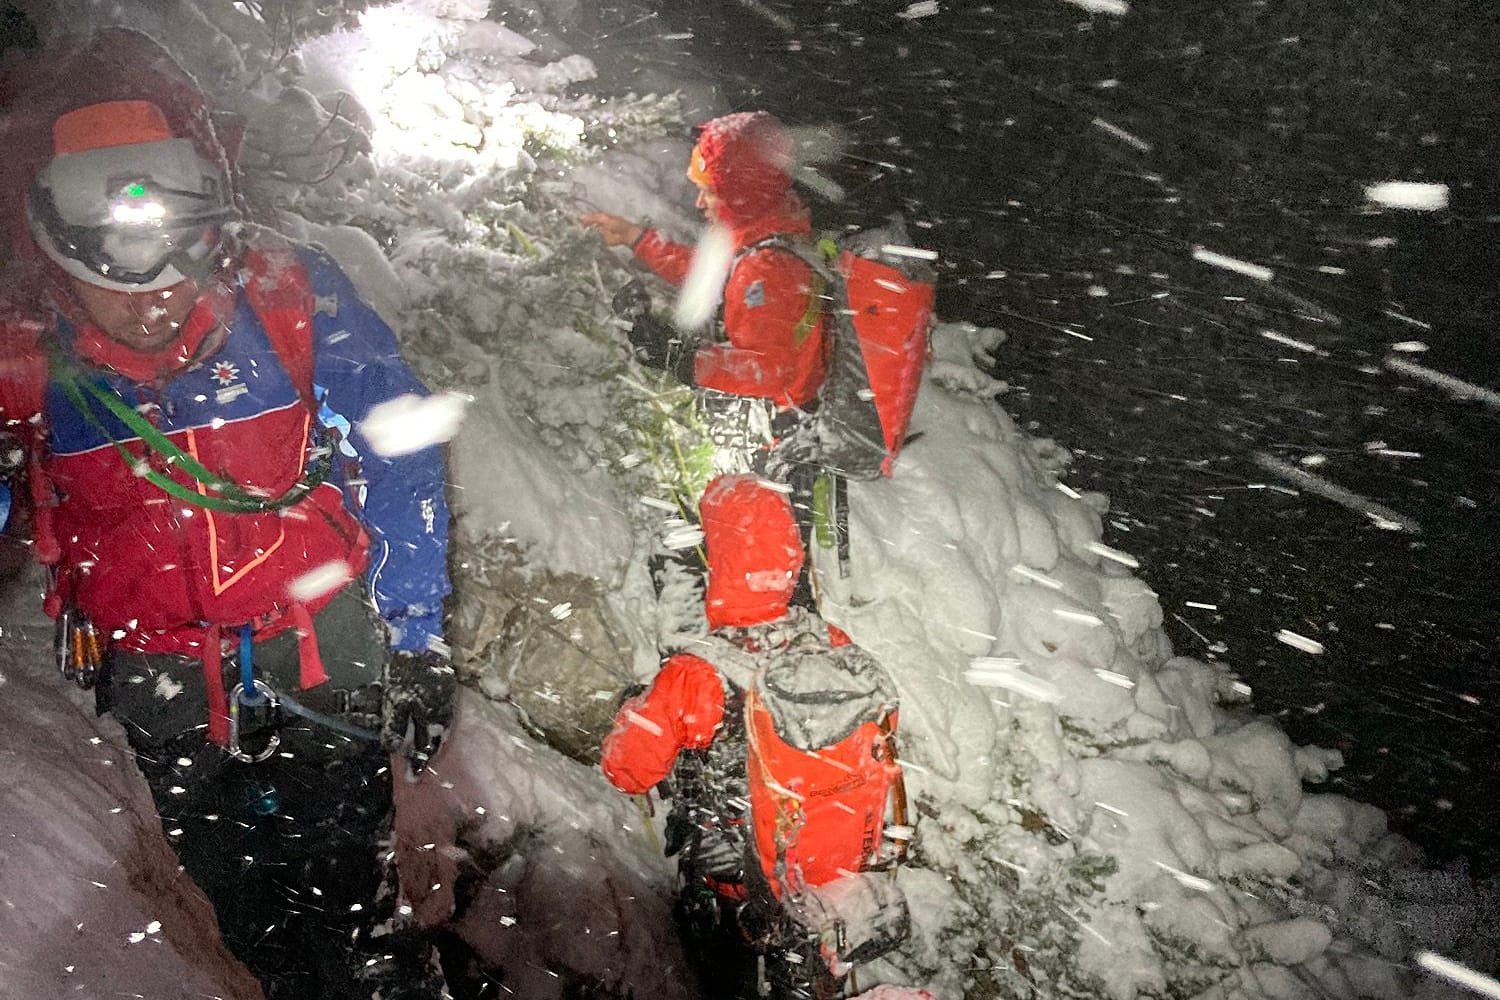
(771, 342)
(776, 731)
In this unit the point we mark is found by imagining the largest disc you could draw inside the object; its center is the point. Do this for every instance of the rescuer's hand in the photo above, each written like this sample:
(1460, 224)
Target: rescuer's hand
(418, 704)
(615, 231)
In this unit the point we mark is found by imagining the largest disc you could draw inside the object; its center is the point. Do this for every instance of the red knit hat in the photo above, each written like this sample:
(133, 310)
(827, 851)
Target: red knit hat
(754, 552)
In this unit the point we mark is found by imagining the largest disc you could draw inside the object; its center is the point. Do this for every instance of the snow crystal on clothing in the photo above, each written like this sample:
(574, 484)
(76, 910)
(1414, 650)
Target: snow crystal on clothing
(410, 423)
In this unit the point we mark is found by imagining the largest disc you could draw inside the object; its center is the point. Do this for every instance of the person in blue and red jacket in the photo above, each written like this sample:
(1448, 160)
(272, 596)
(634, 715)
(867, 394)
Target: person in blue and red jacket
(770, 343)
(258, 588)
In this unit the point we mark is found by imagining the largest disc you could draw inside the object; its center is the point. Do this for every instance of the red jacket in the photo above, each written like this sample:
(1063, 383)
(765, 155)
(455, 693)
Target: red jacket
(769, 351)
(817, 816)
(754, 555)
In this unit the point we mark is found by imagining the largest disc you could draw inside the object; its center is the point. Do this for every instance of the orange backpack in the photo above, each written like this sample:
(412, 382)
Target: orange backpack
(819, 734)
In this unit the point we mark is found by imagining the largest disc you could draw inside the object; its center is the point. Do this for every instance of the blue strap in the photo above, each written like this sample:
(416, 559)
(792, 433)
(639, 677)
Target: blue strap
(251, 695)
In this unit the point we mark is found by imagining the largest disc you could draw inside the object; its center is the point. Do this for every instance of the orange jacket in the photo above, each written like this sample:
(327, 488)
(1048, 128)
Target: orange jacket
(769, 352)
(813, 815)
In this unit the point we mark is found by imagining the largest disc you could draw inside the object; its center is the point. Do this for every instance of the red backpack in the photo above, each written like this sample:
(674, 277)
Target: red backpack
(880, 309)
(819, 732)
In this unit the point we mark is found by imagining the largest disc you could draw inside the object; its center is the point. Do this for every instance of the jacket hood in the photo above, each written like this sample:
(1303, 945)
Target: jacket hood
(754, 552)
(747, 160)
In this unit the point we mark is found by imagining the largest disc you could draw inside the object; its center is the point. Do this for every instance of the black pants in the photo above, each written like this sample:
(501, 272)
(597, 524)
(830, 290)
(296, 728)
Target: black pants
(742, 948)
(289, 851)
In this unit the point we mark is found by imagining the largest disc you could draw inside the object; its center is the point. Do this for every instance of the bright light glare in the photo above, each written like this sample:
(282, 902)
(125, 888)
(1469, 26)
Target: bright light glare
(426, 99)
(134, 215)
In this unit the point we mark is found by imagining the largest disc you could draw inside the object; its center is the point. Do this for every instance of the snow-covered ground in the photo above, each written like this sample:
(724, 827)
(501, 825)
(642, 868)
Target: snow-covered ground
(1095, 816)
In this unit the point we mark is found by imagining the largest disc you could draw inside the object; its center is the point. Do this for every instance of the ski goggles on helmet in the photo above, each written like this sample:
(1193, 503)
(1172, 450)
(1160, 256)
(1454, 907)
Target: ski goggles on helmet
(132, 218)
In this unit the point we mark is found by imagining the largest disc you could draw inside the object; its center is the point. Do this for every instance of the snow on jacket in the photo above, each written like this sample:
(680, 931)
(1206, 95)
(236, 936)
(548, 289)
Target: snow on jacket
(812, 690)
(767, 351)
(155, 570)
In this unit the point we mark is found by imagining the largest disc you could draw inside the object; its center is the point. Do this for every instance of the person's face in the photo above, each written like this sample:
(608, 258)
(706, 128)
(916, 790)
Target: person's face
(708, 204)
(141, 321)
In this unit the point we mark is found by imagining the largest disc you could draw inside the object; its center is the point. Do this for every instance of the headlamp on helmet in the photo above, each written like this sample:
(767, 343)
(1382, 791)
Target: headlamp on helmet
(133, 218)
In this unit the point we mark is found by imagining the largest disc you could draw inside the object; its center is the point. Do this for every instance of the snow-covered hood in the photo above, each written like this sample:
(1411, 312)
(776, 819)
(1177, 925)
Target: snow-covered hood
(747, 158)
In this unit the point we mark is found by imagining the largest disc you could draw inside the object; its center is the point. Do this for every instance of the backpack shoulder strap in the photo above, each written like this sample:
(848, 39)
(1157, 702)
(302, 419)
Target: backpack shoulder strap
(823, 277)
(280, 291)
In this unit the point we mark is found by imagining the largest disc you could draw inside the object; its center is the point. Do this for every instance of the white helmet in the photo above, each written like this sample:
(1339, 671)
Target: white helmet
(124, 204)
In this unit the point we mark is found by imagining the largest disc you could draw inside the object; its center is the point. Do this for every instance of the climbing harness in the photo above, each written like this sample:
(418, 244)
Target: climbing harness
(227, 495)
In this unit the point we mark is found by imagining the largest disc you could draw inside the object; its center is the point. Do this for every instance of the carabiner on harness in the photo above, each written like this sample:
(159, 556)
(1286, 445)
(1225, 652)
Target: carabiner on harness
(256, 696)
(265, 709)
(79, 651)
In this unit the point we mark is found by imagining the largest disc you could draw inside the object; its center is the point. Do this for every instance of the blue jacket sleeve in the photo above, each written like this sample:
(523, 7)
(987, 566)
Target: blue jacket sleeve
(357, 365)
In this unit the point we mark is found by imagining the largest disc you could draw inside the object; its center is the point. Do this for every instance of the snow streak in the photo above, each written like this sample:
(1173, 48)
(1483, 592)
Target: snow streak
(1234, 264)
(1458, 387)
(410, 423)
(1460, 974)
(1415, 196)
(1383, 516)
(1119, 8)
(1130, 140)
(1301, 642)
(704, 284)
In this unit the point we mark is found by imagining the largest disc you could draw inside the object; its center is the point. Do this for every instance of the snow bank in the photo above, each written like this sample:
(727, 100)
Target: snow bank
(91, 898)
(563, 880)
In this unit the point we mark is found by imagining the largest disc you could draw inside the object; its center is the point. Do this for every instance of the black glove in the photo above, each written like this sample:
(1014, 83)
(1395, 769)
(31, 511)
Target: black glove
(632, 301)
(660, 345)
(418, 704)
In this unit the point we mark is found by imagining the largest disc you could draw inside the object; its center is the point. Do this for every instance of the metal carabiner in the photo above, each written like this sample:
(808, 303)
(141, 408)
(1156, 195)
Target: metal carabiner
(63, 644)
(266, 697)
(80, 654)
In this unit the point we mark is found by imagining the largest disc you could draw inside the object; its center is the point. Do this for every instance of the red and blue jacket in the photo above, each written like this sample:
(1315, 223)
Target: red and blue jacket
(159, 573)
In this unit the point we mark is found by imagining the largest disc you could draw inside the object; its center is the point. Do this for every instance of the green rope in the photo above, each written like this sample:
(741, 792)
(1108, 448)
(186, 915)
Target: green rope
(233, 498)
